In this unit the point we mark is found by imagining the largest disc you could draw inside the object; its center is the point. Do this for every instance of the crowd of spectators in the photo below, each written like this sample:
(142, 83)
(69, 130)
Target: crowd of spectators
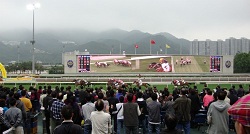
(99, 110)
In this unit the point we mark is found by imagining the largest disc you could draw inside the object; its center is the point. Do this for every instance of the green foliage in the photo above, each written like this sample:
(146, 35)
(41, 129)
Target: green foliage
(56, 70)
(242, 63)
(24, 67)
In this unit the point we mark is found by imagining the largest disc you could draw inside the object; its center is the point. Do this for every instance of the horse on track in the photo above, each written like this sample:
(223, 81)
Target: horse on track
(180, 83)
(81, 82)
(143, 84)
(117, 83)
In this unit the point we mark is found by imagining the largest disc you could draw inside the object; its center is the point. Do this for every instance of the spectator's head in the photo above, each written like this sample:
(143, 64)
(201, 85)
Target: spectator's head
(44, 92)
(12, 102)
(169, 98)
(11, 93)
(100, 95)
(240, 86)
(67, 112)
(121, 99)
(130, 97)
(183, 91)
(171, 121)
(192, 92)
(49, 91)
(88, 97)
(23, 92)
(16, 96)
(21, 87)
(112, 93)
(99, 105)
(209, 92)
(139, 94)
(119, 90)
(222, 95)
(53, 94)
(62, 88)
(154, 96)
(215, 96)
(60, 96)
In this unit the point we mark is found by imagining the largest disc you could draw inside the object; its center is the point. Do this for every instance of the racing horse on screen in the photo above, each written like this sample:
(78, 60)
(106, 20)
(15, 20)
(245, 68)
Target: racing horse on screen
(101, 64)
(154, 65)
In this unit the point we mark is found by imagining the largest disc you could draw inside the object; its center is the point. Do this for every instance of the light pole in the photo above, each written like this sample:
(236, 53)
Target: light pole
(33, 7)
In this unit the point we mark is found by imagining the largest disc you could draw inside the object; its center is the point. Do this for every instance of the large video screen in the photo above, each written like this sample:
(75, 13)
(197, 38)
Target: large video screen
(156, 63)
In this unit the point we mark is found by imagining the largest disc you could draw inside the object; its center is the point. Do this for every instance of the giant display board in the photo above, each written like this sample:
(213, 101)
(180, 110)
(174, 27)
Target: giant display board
(82, 63)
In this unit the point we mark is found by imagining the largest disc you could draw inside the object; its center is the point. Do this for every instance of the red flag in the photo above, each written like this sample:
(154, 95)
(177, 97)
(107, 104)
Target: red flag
(136, 46)
(152, 42)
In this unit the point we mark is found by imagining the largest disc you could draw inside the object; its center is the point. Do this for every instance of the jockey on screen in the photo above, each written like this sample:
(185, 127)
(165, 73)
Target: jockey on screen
(164, 64)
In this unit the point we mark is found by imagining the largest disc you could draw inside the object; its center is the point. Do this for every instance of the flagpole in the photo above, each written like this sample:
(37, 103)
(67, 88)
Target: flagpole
(135, 50)
(120, 48)
(150, 47)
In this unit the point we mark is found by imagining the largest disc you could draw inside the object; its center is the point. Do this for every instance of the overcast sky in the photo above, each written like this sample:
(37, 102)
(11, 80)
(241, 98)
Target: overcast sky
(190, 19)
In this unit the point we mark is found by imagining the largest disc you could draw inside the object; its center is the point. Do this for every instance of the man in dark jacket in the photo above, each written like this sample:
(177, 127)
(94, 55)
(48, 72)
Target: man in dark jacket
(195, 104)
(154, 114)
(182, 107)
(143, 108)
(131, 112)
(67, 126)
(233, 98)
(240, 91)
(112, 109)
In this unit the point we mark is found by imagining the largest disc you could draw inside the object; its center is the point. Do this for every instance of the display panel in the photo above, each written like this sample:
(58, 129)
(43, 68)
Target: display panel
(215, 62)
(83, 63)
(148, 63)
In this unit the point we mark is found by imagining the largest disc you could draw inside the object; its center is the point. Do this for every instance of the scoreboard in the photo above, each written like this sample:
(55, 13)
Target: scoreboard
(83, 63)
(215, 62)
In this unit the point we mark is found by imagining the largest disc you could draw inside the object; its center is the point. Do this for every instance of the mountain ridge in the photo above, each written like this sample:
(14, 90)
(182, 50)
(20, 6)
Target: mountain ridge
(113, 41)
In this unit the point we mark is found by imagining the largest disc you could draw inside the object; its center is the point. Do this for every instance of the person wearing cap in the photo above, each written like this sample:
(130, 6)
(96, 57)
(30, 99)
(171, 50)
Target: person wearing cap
(240, 112)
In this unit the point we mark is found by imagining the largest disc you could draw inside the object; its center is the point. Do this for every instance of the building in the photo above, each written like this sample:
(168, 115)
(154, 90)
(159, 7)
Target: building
(230, 46)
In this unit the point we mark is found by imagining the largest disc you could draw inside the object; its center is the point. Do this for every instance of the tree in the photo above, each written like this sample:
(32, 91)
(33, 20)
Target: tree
(56, 70)
(242, 63)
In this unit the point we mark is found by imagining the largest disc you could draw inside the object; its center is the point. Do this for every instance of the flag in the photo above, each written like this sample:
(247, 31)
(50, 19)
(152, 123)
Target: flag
(136, 46)
(152, 42)
(167, 46)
